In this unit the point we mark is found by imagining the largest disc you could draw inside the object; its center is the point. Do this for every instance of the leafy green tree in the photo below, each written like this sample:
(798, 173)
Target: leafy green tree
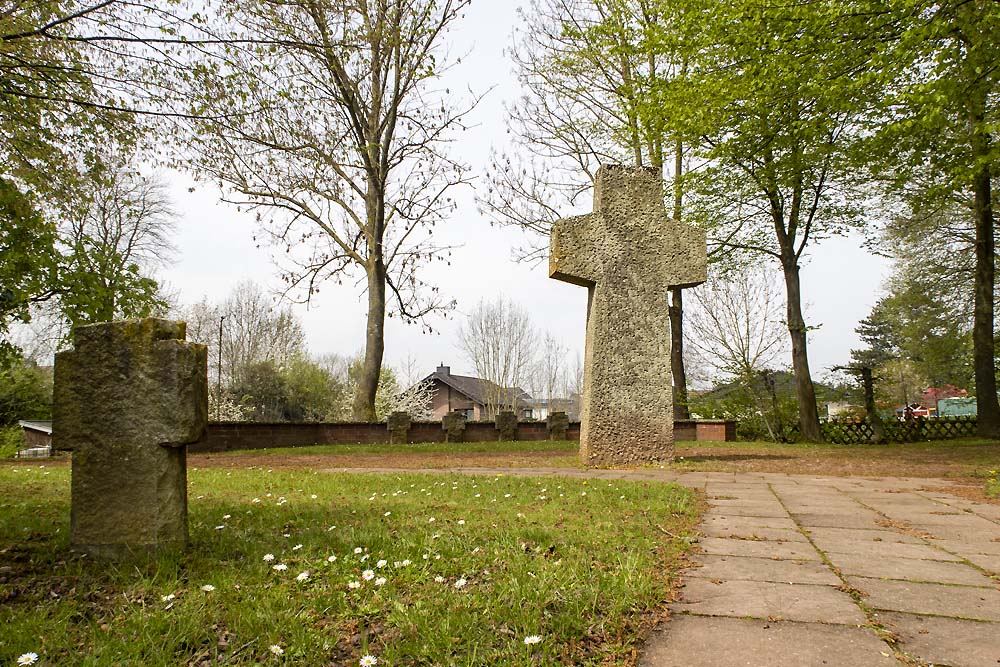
(767, 101)
(939, 116)
(116, 234)
(29, 262)
(262, 390)
(25, 393)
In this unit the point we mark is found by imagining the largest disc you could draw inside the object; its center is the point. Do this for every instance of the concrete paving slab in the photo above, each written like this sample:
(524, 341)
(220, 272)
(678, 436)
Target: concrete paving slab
(757, 599)
(741, 508)
(734, 547)
(988, 562)
(881, 549)
(750, 533)
(765, 569)
(694, 641)
(946, 641)
(862, 535)
(937, 599)
(858, 520)
(737, 523)
(972, 546)
(910, 569)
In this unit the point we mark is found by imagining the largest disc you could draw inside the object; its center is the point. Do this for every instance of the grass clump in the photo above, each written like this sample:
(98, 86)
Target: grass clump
(993, 484)
(411, 569)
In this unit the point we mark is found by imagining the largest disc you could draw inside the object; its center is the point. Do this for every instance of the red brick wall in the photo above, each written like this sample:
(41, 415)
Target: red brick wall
(228, 436)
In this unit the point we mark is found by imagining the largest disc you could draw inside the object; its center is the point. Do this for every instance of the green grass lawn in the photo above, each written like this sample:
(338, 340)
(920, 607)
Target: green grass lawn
(449, 570)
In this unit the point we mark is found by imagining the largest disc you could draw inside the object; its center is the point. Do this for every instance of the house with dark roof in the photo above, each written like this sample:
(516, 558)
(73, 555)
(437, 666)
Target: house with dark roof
(476, 398)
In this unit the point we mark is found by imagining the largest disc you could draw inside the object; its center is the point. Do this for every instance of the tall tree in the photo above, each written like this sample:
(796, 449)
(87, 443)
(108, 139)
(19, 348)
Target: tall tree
(940, 115)
(766, 101)
(586, 67)
(342, 148)
(736, 329)
(116, 234)
(499, 340)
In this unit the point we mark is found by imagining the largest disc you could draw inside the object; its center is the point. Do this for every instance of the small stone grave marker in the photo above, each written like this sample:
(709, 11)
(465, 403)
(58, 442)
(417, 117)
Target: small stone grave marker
(127, 399)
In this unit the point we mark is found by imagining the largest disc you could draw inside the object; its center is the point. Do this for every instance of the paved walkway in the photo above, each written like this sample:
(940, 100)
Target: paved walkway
(798, 570)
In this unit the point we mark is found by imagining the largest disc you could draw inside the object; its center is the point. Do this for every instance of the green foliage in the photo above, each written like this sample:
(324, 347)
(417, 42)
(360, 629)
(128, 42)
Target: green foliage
(914, 326)
(763, 405)
(11, 441)
(25, 393)
(29, 261)
(555, 558)
(300, 390)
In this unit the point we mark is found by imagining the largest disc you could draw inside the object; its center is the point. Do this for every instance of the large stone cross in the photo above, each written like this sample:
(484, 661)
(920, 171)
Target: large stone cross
(628, 253)
(127, 400)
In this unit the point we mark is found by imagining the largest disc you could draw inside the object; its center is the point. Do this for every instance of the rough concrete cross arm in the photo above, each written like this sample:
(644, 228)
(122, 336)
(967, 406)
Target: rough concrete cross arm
(629, 235)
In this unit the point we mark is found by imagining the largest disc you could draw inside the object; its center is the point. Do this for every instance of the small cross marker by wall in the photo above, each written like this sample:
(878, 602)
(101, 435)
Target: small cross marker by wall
(127, 399)
(628, 253)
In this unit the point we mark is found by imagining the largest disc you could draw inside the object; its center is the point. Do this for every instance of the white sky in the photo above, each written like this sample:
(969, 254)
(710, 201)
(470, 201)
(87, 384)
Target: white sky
(840, 281)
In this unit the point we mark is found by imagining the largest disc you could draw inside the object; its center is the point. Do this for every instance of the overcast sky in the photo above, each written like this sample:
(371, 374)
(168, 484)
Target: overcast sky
(840, 280)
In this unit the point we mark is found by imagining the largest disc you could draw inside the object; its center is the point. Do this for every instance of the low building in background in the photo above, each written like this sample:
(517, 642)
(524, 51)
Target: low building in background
(476, 398)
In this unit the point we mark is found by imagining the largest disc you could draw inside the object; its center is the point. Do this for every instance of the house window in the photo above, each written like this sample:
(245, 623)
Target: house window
(527, 414)
(465, 412)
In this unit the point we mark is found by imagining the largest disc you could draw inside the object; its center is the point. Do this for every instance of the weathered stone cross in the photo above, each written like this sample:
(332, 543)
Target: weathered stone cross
(627, 253)
(127, 400)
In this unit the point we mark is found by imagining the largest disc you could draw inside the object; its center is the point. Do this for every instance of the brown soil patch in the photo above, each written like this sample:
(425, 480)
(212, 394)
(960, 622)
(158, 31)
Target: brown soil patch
(401, 460)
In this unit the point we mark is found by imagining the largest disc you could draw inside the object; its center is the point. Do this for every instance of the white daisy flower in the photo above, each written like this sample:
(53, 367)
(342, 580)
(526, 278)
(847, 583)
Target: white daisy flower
(276, 650)
(368, 575)
(208, 588)
(439, 579)
(461, 522)
(331, 559)
(407, 562)
(460, 583)
(353, 584)
(532, 639)
(226, 517)
(29, 658)
(358, 550)
(368, 661)
(168, 597)
(268, 558)
(381, 563)
(280, 567)
(380, 581)
(303, 576)
(296, 547)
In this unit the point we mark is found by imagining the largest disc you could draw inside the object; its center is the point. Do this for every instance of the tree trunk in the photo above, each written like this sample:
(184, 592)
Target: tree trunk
(871, 412)
(805, 393)
(364, 396)
(983, 347)
(676, 311)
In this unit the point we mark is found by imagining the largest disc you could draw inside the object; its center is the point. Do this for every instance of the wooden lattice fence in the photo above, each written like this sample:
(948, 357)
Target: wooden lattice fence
(916, 429)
